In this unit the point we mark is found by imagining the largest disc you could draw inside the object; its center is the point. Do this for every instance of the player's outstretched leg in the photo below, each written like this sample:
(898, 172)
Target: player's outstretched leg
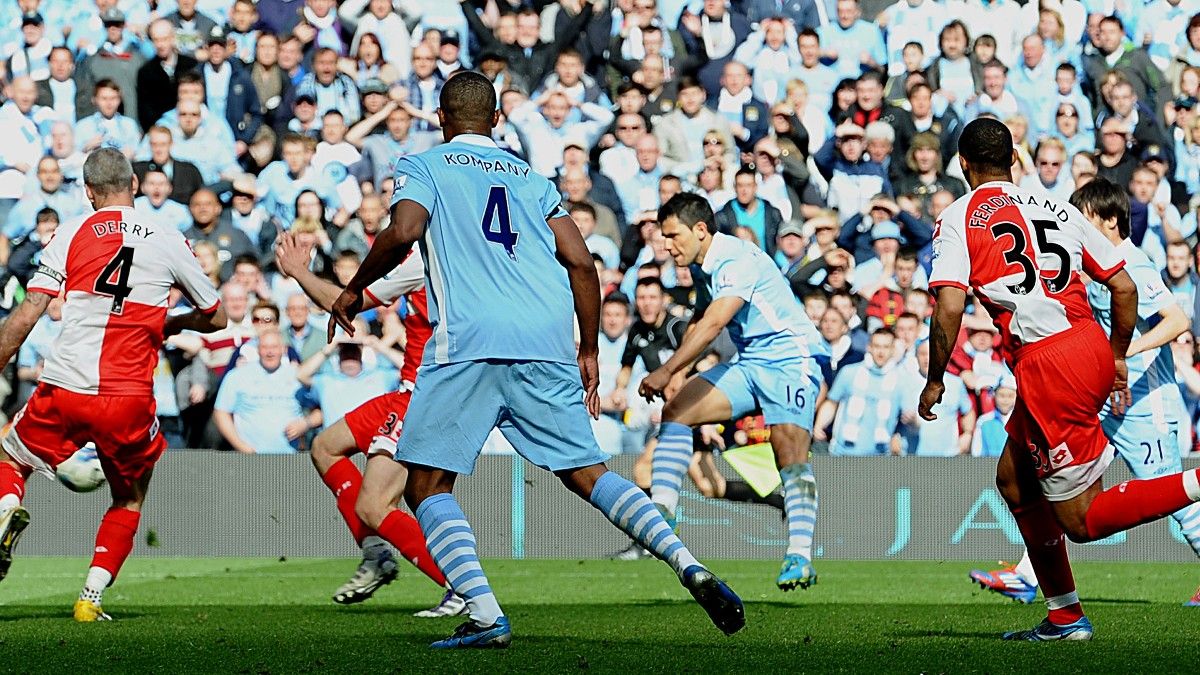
(627, 507)
(114, 542)
(383, 484)
(13, 517)
(331, 457)
(1045, 542)
(451, 542)
(800, 503)
(1099, 513)
(672, 457)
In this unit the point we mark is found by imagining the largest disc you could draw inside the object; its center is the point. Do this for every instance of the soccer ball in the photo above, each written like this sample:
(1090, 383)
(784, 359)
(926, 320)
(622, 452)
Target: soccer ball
(81, 472)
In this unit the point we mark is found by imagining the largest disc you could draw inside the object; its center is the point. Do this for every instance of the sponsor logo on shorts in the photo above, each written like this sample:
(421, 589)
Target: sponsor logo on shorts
(1060, 457)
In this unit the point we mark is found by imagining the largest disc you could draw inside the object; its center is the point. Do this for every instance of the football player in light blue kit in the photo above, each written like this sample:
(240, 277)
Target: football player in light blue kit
(1152, 434)
(775, 370)
(505, 270)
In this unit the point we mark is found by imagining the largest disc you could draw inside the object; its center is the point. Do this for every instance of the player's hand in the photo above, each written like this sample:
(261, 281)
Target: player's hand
(295, 429)
(290, 256)
(654, 384)
(931, 395)
(589, 373)
(619, 400)
(1121, 396)
(712, 437)
(345, 308)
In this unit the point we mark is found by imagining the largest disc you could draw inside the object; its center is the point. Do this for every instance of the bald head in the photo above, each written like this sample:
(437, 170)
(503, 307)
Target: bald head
(24, 93)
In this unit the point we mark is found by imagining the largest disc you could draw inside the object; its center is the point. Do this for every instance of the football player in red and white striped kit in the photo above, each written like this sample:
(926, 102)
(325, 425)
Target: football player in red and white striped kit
(115, 269)
(1022, 254)
(368, 501)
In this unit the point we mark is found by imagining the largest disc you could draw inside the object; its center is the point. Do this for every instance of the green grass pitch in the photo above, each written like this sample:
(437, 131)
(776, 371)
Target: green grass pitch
(266, 616)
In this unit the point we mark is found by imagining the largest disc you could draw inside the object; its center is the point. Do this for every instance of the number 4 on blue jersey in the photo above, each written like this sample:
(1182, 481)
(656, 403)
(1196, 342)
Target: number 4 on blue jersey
(497, 209)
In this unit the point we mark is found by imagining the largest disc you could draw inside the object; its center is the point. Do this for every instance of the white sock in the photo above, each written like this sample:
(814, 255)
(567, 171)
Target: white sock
(1191, 484)
(1025, 569)
(98, 579)
(373, 547)
(9, 501)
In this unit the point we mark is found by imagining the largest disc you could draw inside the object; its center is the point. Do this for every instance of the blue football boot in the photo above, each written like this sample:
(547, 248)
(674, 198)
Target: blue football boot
(1049, 632)
(796, 571)
(471, 635)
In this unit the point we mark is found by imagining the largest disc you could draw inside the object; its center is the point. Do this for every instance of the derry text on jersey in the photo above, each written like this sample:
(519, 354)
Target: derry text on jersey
(983, 210)
(109, 227)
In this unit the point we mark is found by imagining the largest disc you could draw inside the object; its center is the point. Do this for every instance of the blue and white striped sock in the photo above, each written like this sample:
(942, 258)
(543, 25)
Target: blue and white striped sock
(800, 505)
(1189, 521)
(627, 507)
(672, 457)
(452, 545)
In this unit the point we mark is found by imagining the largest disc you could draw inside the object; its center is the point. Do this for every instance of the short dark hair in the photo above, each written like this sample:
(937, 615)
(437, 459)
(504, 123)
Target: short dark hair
(189, 77)
(107, 83)
(918, 45)
(746, 171)
(1114, 19)
(333, 111)
(689, 209)
(816, 294)
(1066, 66)
(246, 259)
(873, 76)
(808, 32)
(650, 281)
(907, 253)
(1104, 199)
(468, 97)
(348, 254)
(582, 206)
(909, 315)
(687, 82)
(618, 298)
(46, 214)
(884, 330)
(987, 144)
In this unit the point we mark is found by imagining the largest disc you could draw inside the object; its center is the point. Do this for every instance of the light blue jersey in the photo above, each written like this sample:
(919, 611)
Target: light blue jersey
(503, 348)
(496, 289)
(1153, 421)
(869, 401)
(771, 324)
(938, 438)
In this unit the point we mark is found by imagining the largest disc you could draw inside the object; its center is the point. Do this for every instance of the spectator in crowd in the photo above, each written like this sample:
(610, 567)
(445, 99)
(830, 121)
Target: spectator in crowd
(864, 404)
(229, 92)
(389, 30)
(184, 176)
(953, 431)
(953, 75)
(50, 191)
(209, 258)
(302, 334)
(243, 17)
(1052, 175)
(107, 128)
(117, 58)
(157, 80)
(331, 89)
(285, 179)
(257, 409)
(27, 250)
(544, 122)
(852, 44)
(155, 202)
(367, 63)
(209, 224)
(59, 91)
(717, 30)
(990, 435)
(1116, 161)
(1067, 122)
(352, 381)
(528, 56)
(199, 137)
(996, 99)
(681, 132)
(21, 150)
(1115, 54)
(191, 27)
(639, 191)
(359, 234)
(747, 209)
(748, 117)
(853, 177)
(246, 216)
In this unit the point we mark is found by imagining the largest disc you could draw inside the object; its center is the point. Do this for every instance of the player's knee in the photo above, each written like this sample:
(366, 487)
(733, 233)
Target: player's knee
(324, 453)
(1077, 531)
(370, 509)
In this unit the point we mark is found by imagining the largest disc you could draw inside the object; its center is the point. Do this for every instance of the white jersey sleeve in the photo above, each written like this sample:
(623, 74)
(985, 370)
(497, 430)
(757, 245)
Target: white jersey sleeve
(407, 277)
(190, 277)
(1101, 259)
(951, 260)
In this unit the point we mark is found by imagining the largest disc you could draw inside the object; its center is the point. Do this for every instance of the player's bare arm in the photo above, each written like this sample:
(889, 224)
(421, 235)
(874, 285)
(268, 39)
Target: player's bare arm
(1173, 324)
(391, 246)
(1124, 316)
(196, 321)
(19, 323)
(293, 259)
(943, 331)
(698, 337)
(573, 254)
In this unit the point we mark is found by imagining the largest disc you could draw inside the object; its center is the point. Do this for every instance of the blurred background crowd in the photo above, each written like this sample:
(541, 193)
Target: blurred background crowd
(825, 131)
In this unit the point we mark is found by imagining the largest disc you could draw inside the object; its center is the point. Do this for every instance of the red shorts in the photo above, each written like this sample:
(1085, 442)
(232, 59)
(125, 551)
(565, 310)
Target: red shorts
(56, 422)
(376, 424)
(1062, 383)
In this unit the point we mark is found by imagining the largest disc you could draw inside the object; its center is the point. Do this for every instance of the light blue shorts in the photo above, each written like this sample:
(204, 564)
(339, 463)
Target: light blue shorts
(537, 405)
(1149, 449)
(785, 391)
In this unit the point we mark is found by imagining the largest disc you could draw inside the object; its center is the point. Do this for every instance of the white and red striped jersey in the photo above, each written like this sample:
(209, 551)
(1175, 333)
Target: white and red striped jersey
(408, 280)
(1021, 253)
(115, 268)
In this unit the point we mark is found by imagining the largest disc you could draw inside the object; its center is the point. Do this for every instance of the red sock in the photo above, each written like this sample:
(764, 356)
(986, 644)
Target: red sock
(1138, 501)
(114, 539)
(11, 481)
(402, 531)
(344, 480)
(1048, 552)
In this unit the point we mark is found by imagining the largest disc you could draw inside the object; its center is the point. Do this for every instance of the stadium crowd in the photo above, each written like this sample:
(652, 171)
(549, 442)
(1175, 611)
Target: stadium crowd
(826, 138)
